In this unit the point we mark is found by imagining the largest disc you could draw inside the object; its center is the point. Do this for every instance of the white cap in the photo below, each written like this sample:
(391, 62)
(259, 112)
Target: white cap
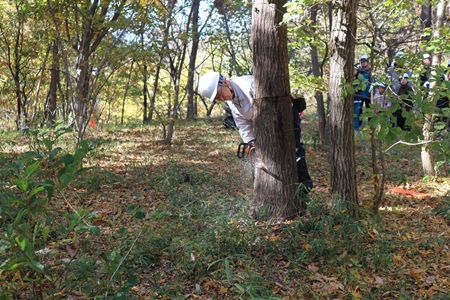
(382, 84)
(426, 55)
(364, 56)
(208, 83)
(406, 75)
(400, 54)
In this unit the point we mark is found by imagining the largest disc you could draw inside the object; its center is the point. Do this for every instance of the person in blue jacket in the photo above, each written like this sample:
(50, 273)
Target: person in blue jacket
(362, 96)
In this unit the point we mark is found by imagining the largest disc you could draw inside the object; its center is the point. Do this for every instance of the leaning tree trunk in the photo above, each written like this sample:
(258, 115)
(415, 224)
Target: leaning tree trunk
(343, 168)
(276, 170)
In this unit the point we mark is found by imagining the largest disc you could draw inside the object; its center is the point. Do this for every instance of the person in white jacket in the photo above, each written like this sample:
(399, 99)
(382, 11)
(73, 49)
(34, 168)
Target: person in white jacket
(239, 93)
(380, 98)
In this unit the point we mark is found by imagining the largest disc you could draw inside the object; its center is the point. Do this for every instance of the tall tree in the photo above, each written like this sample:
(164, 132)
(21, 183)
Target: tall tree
(276, 171)
(86, 26)
(317, 72)
(427, 155)
(191, 108)
(22, 44)
(343, 167)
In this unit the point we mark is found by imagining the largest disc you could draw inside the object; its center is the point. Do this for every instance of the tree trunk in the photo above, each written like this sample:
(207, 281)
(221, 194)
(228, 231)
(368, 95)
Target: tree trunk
(127, 87)
(276, 171)
(427, 155)
(316, 69)
(191, 109)
(50, 109)
(222, 6)
(145, 119)
(343, 168)
(425, 14)
(176, 65)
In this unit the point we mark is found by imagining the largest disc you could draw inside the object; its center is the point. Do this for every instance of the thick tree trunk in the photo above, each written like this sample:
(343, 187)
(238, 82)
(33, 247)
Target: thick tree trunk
(276, 171)
(343, 168)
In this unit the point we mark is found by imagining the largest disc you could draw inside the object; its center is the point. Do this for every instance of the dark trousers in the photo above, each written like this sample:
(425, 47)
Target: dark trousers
(401, 120)
(302, 168)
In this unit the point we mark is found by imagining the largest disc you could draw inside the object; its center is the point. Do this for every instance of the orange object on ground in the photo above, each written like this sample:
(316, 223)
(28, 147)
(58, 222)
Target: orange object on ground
(401, 190)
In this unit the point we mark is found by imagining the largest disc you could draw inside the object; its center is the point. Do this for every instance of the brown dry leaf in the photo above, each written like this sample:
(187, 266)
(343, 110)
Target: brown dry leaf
(415, 272)
(70, 251)
(344, 254)
(223, 290)
(379, 280)
(313, 267)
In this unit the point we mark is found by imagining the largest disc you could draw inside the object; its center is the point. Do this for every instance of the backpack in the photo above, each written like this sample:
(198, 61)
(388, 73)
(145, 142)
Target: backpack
(299, 103)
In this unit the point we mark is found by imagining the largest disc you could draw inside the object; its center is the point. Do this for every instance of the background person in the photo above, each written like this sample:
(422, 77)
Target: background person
(406, 104)
(380, 98)
(362, 97)
(239, 93)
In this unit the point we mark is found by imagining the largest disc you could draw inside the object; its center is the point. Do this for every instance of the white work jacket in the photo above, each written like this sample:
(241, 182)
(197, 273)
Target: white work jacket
(242, 106)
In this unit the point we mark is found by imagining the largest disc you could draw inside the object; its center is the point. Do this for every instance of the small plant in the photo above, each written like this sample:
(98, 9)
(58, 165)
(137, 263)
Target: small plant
(27, 222)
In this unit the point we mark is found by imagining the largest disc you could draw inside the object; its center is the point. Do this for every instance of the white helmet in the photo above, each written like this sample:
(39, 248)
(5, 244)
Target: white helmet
(382, 84)
(400, 54)
(364, 56)
(426, 55)
(208, 83)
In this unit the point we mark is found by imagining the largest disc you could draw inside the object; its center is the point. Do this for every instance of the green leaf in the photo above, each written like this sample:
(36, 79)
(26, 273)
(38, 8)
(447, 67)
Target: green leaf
(21, 243)
(16, 263)
(18, 218)
(54, 152)
(132, 281)
(49, 186)
(64, 180)
(36, 190)
(21, 184)
(36, 265)
(95, 230)
(33, 154)
(31, 169)
(37, 201)
(139, 214)
(66, 159)
(49, 144)
(445, 144)
(45, 232)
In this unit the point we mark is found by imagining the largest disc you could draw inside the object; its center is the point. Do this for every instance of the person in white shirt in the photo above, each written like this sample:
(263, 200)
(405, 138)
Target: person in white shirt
(239, 93)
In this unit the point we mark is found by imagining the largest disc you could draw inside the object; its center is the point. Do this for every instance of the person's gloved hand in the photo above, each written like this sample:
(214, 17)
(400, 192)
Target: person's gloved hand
(250, 148)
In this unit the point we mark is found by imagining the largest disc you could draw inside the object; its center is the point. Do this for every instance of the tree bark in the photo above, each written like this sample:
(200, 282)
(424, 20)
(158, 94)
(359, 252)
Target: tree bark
(427, 155)
(276, 171)
(50, 110)
(191, 108)
(425, 14)
(343, 167)
(316, 69)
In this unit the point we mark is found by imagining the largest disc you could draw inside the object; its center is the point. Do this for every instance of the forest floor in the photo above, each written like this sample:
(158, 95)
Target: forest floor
(172, 224)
